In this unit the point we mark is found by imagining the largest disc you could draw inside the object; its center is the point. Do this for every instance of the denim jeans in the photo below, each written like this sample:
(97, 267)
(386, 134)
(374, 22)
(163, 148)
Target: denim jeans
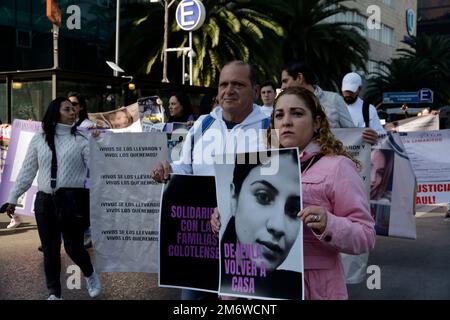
(50, 229)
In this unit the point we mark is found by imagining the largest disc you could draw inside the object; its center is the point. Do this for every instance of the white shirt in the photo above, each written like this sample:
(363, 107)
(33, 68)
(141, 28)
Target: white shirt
(267, 110)
(356, 112)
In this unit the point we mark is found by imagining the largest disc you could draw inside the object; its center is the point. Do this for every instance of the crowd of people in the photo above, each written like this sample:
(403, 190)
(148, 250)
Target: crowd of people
(336, 214)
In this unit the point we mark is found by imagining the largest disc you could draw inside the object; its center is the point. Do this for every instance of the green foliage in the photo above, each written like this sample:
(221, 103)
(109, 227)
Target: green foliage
(424, 64)
(266, 33)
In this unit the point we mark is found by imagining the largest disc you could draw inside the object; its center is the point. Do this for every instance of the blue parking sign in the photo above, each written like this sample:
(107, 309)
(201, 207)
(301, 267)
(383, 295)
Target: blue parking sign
(190, 14)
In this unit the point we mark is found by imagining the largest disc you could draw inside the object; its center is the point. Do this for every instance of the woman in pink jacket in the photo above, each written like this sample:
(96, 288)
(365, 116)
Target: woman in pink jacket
(336, 214)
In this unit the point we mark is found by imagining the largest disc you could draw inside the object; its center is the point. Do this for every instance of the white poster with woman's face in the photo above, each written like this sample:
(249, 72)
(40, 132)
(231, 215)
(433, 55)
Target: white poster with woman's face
(261, 234)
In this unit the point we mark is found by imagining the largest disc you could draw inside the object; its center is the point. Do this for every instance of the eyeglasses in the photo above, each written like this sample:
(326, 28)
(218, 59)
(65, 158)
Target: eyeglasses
(75, 103)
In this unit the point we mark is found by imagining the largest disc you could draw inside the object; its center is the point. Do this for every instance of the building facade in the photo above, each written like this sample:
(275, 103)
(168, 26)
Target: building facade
(433, 17)
(385, 26)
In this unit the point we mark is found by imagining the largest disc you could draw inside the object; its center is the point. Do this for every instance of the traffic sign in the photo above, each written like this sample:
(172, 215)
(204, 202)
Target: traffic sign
(426, 95)
(190, 14)
(422, 96)
(400, 97)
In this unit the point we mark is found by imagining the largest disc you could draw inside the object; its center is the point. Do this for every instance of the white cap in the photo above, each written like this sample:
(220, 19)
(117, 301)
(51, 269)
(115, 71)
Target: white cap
(351, 82)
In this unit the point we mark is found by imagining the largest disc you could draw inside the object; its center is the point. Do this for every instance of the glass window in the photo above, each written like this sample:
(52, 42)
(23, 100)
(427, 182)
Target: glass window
(387, 35)
(30, 99)
(7, 13)
(389, 3)
(99, 97)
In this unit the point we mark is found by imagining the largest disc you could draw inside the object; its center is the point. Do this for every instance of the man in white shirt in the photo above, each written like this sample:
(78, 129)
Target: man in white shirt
(351, 87)
(268, 94)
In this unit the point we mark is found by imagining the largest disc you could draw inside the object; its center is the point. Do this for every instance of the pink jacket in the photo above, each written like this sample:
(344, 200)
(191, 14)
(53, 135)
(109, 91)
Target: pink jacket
(335, 184)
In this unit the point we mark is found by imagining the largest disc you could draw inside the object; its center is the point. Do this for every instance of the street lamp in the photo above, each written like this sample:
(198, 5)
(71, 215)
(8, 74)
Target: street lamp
(166, 5)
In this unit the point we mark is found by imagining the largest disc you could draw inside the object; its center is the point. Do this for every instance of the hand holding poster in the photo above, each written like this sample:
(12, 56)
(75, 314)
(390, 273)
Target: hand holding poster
(189, 250)
(125, 201)
(261, 248)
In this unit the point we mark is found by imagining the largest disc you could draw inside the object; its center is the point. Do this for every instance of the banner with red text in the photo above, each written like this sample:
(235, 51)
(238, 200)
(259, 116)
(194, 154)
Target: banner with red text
(429, 152)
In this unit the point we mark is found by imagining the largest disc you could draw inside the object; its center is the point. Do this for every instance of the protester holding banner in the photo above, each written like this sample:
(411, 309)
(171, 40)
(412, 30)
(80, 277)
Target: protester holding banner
(180, 108)
(336, 215)
(236, 115)
(263, 221)
(72, 153)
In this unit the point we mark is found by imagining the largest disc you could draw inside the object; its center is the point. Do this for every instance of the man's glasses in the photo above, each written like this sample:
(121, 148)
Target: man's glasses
(75, 103)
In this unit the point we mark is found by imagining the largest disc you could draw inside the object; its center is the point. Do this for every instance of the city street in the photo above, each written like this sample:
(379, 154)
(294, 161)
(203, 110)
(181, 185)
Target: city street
(410, 269)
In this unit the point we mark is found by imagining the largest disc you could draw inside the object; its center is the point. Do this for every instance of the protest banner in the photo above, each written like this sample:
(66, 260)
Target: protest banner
(424, 123)
(5, 134)
(429, 153)
(189, 250)
(125, 200)
(392, 189)
(151, 109)
(124, 119)
(355, 266)
(176, 135)
(360, 150)
(21, 134)
(257, 195)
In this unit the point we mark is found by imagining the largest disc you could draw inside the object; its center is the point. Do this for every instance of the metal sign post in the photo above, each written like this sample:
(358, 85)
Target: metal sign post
(190, 16)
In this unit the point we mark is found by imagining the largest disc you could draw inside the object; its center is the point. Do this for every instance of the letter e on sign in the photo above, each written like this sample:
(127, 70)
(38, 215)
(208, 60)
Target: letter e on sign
(190, 14)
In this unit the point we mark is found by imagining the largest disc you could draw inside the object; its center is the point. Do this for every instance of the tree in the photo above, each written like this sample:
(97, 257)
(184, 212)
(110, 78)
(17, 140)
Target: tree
(266, 33)
(425, 64)
(232, 30)
(331, 48)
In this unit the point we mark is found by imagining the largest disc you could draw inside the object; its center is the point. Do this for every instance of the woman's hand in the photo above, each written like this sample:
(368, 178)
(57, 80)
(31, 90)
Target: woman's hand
(215, 221)
(161, 171)
(314, 217)
(10, 209)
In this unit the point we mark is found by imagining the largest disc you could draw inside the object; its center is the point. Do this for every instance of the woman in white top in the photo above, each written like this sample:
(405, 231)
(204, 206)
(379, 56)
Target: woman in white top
(72, 153)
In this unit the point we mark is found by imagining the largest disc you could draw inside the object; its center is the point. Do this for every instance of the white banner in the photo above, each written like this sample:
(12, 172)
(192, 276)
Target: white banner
(355, 266)
(392, 191)
(125, 201)
(353, 142)
(21, 134)
(423, 123)
(429, 153)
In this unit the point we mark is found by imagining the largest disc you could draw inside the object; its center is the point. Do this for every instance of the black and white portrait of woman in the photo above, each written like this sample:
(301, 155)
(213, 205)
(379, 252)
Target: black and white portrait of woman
(259, 257)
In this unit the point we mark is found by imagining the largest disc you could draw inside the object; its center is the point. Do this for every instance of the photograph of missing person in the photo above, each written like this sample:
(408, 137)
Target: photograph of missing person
(121, 118)
(381, 175)
(188, 249)
(261, 249)
(381, 181)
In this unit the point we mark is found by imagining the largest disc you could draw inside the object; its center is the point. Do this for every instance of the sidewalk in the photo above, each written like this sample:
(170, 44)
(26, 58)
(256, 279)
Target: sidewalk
(22, 272)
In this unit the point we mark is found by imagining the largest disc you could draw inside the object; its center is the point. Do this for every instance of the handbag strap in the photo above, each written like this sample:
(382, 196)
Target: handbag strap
(54, 167)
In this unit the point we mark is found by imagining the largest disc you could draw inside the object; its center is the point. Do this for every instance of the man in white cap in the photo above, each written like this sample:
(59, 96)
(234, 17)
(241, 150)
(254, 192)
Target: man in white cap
(364, 115)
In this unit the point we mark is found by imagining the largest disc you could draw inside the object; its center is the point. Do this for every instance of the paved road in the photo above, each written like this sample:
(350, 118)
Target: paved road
(410, 269)
(22, 274)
